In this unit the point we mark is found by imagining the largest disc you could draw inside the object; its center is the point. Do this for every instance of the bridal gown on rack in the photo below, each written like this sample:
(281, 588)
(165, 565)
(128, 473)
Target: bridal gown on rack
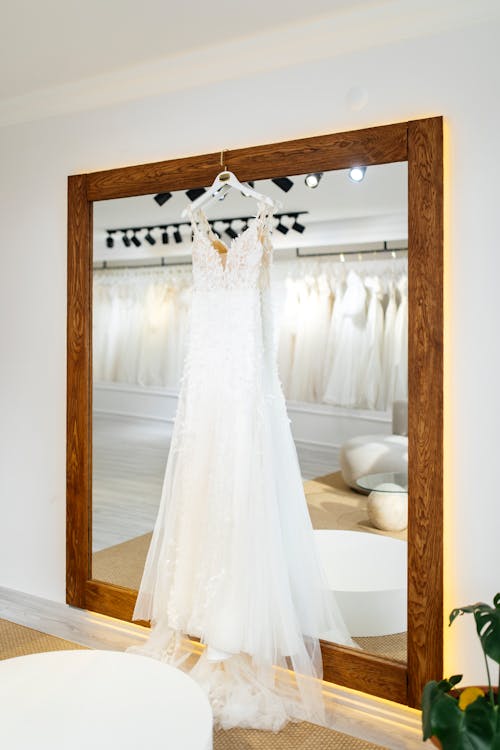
(232, 559)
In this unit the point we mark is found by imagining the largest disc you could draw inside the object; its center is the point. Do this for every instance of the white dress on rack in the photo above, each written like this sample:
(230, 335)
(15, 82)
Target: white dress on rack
(233, 559)
(371, 382)
(344, 384)
(389, 351)
(301, 381)
(287, 333)
(401, 342)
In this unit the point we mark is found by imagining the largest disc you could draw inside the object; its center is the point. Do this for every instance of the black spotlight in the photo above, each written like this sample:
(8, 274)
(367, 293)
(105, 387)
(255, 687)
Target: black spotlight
(109, 240)
(126, 239)
(164, 236)
(149, 237)
(195, 193)
(231, 233)
(284, 183)
(282, 228)
(312, 179)
(177, 235)
(298, 227)
(162, 198)
(135, 239)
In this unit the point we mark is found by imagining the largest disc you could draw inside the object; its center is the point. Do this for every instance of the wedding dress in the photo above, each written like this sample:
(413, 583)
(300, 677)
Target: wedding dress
(232, 559)
(401, 342)
(344, 384)
(372, 377)
(287, 332)
(389, 351)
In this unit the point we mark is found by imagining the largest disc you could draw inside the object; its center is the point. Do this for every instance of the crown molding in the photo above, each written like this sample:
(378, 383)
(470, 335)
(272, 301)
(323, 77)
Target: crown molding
(299, 43)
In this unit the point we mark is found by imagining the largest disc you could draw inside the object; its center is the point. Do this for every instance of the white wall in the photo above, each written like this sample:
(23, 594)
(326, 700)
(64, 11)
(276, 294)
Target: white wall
(456, 75)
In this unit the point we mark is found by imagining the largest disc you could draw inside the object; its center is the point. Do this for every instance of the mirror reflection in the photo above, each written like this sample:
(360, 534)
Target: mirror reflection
(339, 289)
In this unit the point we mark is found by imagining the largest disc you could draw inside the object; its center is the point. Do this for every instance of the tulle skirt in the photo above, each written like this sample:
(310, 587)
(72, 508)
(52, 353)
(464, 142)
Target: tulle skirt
(232, 559)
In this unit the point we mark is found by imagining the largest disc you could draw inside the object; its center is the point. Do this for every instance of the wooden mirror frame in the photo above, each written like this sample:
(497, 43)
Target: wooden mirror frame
(420, 143)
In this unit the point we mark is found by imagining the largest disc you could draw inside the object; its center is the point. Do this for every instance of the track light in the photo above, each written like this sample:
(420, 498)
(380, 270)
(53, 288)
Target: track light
(162, 198)
(149, 237)
(172, 232)
(195, 193)
(284, 183)
(356, 174)
(312, 179)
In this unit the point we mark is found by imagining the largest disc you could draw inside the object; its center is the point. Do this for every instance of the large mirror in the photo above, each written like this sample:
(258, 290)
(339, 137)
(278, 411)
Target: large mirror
(340, 297)
(344, 254)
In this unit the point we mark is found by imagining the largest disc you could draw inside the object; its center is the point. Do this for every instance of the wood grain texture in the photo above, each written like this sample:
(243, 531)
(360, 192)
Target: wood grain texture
(363, 671)
(387, 143)
(421, 143)
(79, 392)
(110, 600)
(425, 397)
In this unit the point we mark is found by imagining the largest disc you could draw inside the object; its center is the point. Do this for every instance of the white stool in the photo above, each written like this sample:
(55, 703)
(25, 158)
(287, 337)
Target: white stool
(372, 454)
(77, 700)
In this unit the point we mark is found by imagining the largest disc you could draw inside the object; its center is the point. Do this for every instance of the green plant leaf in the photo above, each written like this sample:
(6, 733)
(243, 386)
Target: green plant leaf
(487, 625)
(432, 692)
(471, 729)
(480, 723)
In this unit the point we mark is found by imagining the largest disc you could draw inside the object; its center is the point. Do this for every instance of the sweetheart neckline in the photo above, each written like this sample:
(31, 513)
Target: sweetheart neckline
(229, 248)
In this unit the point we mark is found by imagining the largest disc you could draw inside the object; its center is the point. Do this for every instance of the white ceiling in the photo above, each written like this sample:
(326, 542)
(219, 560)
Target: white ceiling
(45, 43)
(63, 56)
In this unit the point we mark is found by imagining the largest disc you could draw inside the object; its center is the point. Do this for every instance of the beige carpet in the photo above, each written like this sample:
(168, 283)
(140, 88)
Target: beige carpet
(301, 736)
(123, 563)
(17, 640)
(333, 505)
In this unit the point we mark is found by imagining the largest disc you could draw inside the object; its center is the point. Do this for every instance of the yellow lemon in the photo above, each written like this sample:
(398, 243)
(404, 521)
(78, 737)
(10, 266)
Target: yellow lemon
(468, 696)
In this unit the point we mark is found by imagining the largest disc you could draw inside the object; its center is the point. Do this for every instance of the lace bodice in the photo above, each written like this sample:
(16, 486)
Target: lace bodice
(245, 265)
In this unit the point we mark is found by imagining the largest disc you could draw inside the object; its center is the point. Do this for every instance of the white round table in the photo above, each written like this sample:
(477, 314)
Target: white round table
(77, 700)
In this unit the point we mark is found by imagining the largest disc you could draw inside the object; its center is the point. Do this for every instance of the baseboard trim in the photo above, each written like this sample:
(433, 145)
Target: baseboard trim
(385, 723)
(81, 626)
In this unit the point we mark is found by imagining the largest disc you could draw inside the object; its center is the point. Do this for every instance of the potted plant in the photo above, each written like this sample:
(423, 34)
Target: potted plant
(469, 718)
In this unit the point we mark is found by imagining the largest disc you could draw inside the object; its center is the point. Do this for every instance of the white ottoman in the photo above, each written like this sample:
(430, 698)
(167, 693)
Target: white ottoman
(373, 454)
(82, 700)
(367, 575)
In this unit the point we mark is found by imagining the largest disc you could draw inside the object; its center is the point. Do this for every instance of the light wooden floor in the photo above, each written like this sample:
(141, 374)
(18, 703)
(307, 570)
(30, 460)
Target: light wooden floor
(128, 465)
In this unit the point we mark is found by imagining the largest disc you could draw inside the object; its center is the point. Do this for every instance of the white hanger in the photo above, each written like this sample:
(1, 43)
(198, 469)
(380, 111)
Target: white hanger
(228, 179)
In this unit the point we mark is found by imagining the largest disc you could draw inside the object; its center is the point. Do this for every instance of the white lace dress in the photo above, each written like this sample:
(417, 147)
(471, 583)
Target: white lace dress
(232, 559)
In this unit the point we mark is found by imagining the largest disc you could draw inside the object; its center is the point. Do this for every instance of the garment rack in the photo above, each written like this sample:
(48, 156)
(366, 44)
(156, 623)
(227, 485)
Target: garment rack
(105, 266)
(355, 253)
